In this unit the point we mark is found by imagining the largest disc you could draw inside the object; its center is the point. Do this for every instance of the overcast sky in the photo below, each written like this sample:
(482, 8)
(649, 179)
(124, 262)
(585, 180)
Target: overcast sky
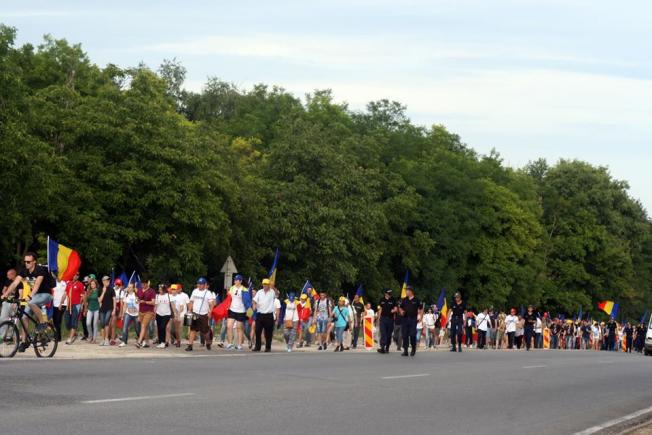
(553, 79)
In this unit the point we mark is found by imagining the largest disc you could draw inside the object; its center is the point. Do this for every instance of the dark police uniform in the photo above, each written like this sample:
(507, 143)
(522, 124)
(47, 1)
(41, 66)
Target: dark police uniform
(457, 324)
(528, 328)
(411, 308)
(386, 322)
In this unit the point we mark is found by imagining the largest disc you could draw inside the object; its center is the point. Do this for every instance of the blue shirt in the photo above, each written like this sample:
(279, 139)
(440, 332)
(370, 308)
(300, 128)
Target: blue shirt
(341, 316)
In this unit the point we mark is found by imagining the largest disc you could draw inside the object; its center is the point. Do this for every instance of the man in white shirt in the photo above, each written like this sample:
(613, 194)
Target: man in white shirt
(201, 303)
(180, 302)
(265, 307)
(510, 328)
(482, 324)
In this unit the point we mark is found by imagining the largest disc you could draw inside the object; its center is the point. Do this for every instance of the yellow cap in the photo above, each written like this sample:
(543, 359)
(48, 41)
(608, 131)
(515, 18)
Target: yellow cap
(342, 299)
(266, 281)
(304, 296)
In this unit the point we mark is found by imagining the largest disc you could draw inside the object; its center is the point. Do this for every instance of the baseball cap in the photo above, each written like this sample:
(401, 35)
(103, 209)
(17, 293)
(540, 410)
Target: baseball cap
(238, 278)
(304, 296)
(388, 291)
(266, 281)
(106, 278)
(118, 281)
(202, 280)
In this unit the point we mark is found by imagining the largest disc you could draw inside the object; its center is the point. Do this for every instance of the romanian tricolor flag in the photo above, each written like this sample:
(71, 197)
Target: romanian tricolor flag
(442, 306)
(360, 292)
(405, 284)
(607, 306)
(272, 270)
(62, 260)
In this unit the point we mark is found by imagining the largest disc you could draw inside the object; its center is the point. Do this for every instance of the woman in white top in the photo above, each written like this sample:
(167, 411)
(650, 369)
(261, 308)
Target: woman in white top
(596, 332)
(429, 326)
(291, 321)
(236, 316)
(129, 313)
(510, 327)
(163, 315)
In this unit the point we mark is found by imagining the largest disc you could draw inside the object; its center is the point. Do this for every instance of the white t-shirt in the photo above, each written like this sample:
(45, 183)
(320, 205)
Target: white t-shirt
(482, 321)
(429, 320)
(201, 300)
(131, 304)
(291, 312)
(265, 301)
(510, 323)
(59, 291)
(596, 331)
(277, 306)
(237, 306)
(180, 301)
(538, 327)
(163, 305)
(371, 313)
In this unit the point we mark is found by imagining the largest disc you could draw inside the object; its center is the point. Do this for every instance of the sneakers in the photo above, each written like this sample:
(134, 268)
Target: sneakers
(320, 347)
(289, 350)
(189, 348)
(229, 346)
(238, 348)
(123, 344)
(381, 350)
(161, 346)
(145, 345)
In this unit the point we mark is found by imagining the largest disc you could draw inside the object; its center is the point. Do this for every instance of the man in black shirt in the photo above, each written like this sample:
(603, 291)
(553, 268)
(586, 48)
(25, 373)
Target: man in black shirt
(358, 314)
(457, 322)
(528, 329)
(629, 336)
(40, 284)
(611, 336)
(411, 311)
(387, 311)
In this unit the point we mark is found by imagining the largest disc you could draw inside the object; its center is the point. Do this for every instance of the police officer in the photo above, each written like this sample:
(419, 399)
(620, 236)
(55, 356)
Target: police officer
(410, 310)
(388, 309)
(530, 320)
(457, 322)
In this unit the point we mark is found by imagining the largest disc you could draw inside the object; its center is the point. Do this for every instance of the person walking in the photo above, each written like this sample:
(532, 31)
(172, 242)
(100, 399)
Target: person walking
(305, 320)
(323, 312)
(73, 301)
(341, 317)
(510, 328)
(236, 316)
(129, 314)
(265, 308)
(429, 326)
(146, 312)
(117, 321)
(387, 310)
(163, 315)
(180, 302)
(458, 310)
(290, 321)
(92, 309)
(107, 309)
(482, 321)
(202, 301)
(358, 315)
(411, 311)
(529, 321)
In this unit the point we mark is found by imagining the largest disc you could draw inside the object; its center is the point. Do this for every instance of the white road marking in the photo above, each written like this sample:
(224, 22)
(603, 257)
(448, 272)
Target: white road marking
(420, 375)
(615, 421)
(535, 367)
(129, 399)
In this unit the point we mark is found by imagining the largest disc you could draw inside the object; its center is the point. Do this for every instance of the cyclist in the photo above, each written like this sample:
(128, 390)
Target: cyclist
(40, 285)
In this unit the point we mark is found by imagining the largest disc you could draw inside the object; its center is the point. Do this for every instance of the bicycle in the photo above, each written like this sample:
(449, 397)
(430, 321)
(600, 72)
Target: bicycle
(43, 339)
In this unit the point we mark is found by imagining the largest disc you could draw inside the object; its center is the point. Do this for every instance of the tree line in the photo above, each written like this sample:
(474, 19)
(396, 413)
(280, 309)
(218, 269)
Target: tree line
(137, 173)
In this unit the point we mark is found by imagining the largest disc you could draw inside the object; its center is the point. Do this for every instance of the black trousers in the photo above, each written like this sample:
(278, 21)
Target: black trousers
(57, 318)
(510, 340)
(529, 334)
(161, 324)
(386, 330)
(398, 336)
(264, 322)
(409, 329)
(457, 326)
(482, 338)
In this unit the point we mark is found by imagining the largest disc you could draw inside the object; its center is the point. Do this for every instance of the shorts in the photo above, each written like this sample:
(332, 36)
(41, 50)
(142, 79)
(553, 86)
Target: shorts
(199, 323)
(39, 299)
(145, 318)
(72, 316)
(105, 318)
(322, 326)
(238, 317)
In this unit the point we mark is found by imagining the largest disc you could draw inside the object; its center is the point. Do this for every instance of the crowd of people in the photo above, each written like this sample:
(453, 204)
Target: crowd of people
(105, 311)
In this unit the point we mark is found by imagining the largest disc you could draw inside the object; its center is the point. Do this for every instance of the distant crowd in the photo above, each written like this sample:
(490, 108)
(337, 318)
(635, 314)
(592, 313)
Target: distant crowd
(110, 312)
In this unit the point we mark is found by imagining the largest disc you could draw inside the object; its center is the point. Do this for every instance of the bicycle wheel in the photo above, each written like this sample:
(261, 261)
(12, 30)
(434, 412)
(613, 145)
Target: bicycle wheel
(9, 339)
(45, 343)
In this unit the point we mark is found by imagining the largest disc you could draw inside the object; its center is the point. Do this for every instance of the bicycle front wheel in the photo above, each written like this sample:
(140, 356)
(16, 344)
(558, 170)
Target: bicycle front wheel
(45, 343)
(9, 339)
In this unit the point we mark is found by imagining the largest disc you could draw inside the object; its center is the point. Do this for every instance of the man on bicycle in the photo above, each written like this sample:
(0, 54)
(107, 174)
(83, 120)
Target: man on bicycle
(38, 280)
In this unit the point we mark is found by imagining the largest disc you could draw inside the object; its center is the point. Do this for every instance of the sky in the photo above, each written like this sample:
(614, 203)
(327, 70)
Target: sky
(556, 79)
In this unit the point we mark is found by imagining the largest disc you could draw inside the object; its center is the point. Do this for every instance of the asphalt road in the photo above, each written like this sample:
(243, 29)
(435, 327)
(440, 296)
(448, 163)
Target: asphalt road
(484, 392)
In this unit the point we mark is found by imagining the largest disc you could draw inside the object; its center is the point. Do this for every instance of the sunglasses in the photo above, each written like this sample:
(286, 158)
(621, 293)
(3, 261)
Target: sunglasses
(28, 262)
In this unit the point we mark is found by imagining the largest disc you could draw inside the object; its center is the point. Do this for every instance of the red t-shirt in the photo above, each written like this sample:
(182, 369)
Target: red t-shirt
(146, 295)
(74, 291)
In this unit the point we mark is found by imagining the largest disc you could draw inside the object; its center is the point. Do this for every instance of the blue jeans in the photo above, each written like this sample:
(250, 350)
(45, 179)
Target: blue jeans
(72, 316)
(125, 328)
(457, 330)
(305, 330)
(40, 300)
(322, 326)
(339, 334)
(105, 318)
(553, 341)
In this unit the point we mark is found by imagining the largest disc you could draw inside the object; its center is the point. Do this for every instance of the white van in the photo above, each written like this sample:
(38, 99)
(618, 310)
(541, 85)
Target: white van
(648, 339)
